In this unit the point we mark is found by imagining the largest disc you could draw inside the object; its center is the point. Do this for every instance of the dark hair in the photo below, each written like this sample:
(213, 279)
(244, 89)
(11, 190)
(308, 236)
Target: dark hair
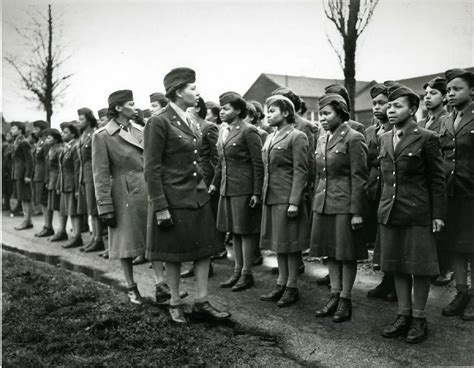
(285, 106)
(201, 105)
(91, 119)
(293, 98)
(413, 101)
(253, 115)
(341, 110)
(33, 135)
(112, 113)
(171, 94)
(240, 104)
(215, 110)
(74, 132)
(303, 108)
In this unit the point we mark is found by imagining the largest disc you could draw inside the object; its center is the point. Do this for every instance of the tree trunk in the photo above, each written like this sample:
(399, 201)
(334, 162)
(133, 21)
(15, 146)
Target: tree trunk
(48, 102)
(350, 45)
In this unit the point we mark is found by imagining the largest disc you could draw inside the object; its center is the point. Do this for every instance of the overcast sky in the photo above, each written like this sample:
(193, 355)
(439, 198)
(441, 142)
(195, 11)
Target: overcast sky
(132, 44)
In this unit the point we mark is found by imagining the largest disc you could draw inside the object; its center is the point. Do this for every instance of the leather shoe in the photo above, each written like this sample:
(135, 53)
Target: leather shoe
(418, 331)
(301, 269)
(231, 281)
(290, 296)
(221, 255)
(105, 255)
(76, 242)
(96, 246)
(383, 289)
(456, 307)
(258, 261)
(163, 293)
(275, 294)
(468, 314)
(245, 282)
(177, 314)
(443, 279)
(344, 311)
(46, 231)
(205, 310)
(87, 245)
(330, 308)
(24, 226)
(136, 261)
(134, 295)
(323, 281)
(399, 327)
(391, 296)
(190, 273)
(58, 237)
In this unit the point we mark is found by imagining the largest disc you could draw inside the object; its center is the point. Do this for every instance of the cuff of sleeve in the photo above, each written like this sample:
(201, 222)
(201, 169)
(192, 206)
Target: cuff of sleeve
(159, 203)
(105, 208)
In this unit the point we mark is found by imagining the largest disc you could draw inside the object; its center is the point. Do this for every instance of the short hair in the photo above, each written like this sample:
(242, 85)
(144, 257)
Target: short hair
(413, 101)
(112, 113)
(341, 110)
(293, 97)
(171, 94)
(284, 106)
(89, 115)
(240, 104)
(201, 105)
(33, 135)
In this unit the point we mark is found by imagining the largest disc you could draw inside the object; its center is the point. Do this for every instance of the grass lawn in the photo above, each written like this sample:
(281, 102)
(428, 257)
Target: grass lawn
(52, 317)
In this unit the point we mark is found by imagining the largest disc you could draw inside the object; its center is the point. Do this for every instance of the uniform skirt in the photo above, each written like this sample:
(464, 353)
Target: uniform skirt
(54, 200)
(23, 190)
(407, 249)
(234, 215)
(458, 235)
(68, 204)
(193, 235)
(332, 236)
(282, 234)
(40, 194)
(87, 204)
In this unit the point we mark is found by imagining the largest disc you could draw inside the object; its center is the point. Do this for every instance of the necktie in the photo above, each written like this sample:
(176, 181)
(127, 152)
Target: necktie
(429, 122)
(123, 127)
(225, 134)
(396, 138)
(457, 120)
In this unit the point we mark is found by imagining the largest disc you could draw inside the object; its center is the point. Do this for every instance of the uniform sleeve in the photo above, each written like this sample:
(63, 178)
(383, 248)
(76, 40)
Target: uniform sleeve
(26, 150)
(77, 168)
(212, 136)
(254, 144)
(359, 174)
(155, 140)
(59, 182)
(437, 177)
(101, 174)
(300, 147)
(309, 131)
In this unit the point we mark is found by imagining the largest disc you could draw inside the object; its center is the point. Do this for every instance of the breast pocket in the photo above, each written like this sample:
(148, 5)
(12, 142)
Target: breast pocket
(411, 160)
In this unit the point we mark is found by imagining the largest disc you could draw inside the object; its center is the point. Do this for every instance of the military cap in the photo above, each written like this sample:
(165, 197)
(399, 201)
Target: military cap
(102, 112)
(53, 133)
(157, 97)
(41, 124)
(72, 126)
(83, 111)
(270, 100)
(378, 89)
(251, 108)
(332, 97)
(212, 105)
(404, 91)
(340, 90)
(120, 97)
(459, 73)
(259, 108)
(227, 97)
(21, 126)
(437, 83)
(178, 77)
(282, 91)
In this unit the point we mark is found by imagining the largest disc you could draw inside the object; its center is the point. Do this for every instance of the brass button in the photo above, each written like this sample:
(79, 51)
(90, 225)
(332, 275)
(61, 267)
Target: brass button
(194, 174)
(136, 191)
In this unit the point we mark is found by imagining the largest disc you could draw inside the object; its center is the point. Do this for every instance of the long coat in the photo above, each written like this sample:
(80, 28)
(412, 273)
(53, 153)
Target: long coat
(341, 173)
(286, 168)
(414, 186)
(240, 168)
(435, 125)
(22, 159)
(69, 165)
(208, 150)
(117, 165)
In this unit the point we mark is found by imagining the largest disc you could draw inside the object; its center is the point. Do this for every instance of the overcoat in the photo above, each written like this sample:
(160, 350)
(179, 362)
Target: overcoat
(117, 166)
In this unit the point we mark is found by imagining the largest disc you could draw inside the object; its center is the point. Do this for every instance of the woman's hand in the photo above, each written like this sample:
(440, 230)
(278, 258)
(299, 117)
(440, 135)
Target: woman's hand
(212, 189)
(292, 211)
(27, 180)
(437, 225)
(58, 192)
(163, 218)
(356, 222)
(254, 201)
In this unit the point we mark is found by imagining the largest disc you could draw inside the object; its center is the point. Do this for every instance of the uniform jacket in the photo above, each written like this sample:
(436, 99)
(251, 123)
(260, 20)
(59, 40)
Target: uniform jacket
(85, 156)
(312, 133)
(435, 126)
(52, 164)
(208, 151)
(413, 181)
(240, 168)
(285, 161)
(7, 151)
(119, 182)
(69, 166)
(458, 153)
(263, 134)
(341, 173)
(373, 162)
(22, 159)
(40, 156)
(172, 171)
(358, 127)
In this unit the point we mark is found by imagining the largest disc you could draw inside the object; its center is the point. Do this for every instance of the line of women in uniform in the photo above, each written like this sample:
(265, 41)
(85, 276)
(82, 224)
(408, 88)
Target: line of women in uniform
(293, 189)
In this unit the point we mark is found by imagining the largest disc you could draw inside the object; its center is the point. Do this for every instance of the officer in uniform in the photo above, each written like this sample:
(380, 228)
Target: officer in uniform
(158, 102)
(435, 95)
(103, 118)
(7, 187)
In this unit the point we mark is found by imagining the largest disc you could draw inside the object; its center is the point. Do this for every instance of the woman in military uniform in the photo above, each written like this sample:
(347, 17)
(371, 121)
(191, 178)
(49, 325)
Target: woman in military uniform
(181, 226)
(7, 185)
(285, 221)
(339, 203)
(412, 207)
(88, 126)
(239, 176)
(457, 141)
(117, 167)
(69, 167)
(103, 118)
(22, 172)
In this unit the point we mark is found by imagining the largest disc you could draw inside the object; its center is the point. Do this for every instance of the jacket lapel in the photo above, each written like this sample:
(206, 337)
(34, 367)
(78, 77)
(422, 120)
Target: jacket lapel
(338, 135)
(280, 137)
(449, 123)
(412, 134)
(112, 127)
(468, 115)
(235, 131)
(178, 122)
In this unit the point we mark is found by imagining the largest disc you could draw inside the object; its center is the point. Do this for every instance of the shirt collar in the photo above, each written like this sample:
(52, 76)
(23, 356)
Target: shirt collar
(182, 114)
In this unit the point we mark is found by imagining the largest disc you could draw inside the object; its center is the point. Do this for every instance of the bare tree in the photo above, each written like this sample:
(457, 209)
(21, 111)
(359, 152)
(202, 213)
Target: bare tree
(39, 67)
(350, 17)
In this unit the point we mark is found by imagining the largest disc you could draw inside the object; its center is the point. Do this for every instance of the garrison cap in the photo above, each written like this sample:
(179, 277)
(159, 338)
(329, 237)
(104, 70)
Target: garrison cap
(102, 112)
(72, 126)
(121, 96)
(437, 83)
(158, 97)
(21, 126)
(259, 108)
(53, 133)
(378, 89)
(212, 105)
(270, 100)
(40, 124)
(227, 97)
(178, 77)
(83, 111)
(404, 91)
(332, 97)
(340, 90)
(459, 73)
